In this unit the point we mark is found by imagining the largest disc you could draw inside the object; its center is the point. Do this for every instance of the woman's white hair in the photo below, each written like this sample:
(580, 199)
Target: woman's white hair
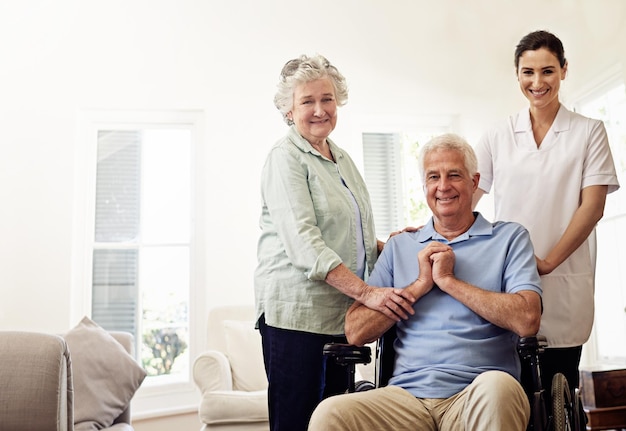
(302, 70)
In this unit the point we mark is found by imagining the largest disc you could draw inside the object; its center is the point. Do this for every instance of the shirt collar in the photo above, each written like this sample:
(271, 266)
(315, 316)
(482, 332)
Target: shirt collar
(480, 227)
(304, 145)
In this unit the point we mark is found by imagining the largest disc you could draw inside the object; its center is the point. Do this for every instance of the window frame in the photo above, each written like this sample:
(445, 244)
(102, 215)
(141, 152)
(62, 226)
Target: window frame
(153, 398)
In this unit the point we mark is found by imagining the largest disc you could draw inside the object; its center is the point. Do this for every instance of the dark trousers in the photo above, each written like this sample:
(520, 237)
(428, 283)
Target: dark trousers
(561, 360)
(298, 375)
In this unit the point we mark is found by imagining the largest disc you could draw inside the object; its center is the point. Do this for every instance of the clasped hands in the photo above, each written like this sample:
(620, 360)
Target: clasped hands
(436, 266)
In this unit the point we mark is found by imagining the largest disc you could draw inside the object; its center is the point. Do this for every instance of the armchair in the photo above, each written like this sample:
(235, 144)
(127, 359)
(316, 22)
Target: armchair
(230, 374)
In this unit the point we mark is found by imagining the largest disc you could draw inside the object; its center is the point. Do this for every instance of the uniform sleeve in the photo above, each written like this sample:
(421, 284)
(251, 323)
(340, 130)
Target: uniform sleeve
(599, 168)
(285, 191)
(485, 162)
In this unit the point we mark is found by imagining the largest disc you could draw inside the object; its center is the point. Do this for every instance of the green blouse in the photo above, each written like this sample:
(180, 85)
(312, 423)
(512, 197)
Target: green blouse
(308, 224)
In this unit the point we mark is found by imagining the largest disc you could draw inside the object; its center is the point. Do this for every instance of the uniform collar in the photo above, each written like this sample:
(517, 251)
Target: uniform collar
(561, 121)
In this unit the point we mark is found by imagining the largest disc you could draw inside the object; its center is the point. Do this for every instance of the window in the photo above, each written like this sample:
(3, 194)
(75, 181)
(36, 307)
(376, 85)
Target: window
(139, 240)
(609, 104)
(141, 250)
(392, 175)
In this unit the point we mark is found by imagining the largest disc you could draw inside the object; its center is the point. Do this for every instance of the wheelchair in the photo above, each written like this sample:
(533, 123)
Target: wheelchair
(564, 413)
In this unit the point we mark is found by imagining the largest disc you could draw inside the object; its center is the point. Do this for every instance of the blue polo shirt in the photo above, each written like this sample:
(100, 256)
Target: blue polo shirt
(445, 345)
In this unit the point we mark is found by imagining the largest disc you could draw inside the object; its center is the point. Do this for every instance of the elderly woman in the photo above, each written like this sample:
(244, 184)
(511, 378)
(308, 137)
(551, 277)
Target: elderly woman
(316, 247)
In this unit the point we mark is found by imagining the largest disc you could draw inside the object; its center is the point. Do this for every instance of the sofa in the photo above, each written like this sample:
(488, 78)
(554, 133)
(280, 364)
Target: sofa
(83, 380)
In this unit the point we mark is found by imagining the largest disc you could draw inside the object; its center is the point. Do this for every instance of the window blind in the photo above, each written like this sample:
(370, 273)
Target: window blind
(383, 176)
(118, 185)
(117, 218)
(115, 289)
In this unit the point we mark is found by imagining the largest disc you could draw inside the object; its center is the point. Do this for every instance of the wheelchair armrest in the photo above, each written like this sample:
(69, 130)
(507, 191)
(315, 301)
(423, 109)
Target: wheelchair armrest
(348, 354)
(531, 345)
(537, 341)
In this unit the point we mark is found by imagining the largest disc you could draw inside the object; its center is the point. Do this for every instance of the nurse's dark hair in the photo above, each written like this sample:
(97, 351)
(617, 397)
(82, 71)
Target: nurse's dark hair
(540, 39)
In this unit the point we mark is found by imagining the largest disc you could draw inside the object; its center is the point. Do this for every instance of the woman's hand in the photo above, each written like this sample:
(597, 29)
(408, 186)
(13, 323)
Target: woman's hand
(406, 229)
(396, 304)
(543, 266)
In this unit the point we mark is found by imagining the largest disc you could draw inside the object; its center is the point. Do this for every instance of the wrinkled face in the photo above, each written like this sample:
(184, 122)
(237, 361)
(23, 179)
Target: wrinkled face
(540, 74)
(447, 183)
(314, 110)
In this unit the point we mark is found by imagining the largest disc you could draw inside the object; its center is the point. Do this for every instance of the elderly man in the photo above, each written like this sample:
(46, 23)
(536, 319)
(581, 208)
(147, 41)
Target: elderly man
(475, 288)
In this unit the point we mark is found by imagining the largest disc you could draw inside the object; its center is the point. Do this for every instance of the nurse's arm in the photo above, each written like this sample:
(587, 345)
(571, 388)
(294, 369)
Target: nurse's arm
(588, 214)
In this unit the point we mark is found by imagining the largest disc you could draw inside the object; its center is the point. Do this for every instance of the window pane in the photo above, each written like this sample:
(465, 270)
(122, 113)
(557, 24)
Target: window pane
(417, 211)
(610, 321)
(610, 107)
(164, 277)
(114, 297)
(166, 190)
(118, 185)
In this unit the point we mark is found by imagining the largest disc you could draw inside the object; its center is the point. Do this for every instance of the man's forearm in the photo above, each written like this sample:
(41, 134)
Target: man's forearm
(518, 312)
(364, 325)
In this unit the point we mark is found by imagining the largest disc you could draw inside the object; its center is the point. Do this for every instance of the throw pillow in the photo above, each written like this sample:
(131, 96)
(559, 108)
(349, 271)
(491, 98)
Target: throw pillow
(105, 376)
(244, 351)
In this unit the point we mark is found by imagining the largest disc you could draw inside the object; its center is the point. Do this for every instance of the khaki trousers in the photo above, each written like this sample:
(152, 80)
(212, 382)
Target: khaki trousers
(494, 401)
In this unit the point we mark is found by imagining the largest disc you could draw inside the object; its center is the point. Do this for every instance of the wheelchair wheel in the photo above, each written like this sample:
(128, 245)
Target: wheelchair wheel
(363, 385)
(561, 404)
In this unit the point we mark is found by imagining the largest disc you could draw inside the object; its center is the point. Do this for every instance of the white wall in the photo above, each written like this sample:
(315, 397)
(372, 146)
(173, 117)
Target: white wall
(401, 57)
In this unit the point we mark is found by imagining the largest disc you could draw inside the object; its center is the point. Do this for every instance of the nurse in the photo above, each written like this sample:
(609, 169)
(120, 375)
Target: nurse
(551, 170)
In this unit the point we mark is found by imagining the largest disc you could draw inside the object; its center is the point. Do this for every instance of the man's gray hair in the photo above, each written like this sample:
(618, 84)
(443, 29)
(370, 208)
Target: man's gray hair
(450, 141)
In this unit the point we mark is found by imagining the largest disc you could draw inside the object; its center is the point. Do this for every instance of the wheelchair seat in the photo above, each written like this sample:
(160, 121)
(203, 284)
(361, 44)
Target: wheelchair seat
(565, 413)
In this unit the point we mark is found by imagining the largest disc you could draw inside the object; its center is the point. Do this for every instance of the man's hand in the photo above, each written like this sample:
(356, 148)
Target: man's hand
(425, 260)
(442, 266)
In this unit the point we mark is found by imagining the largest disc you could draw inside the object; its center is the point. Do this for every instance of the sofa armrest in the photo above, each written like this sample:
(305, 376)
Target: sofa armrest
(35, 382)
(211, 372)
